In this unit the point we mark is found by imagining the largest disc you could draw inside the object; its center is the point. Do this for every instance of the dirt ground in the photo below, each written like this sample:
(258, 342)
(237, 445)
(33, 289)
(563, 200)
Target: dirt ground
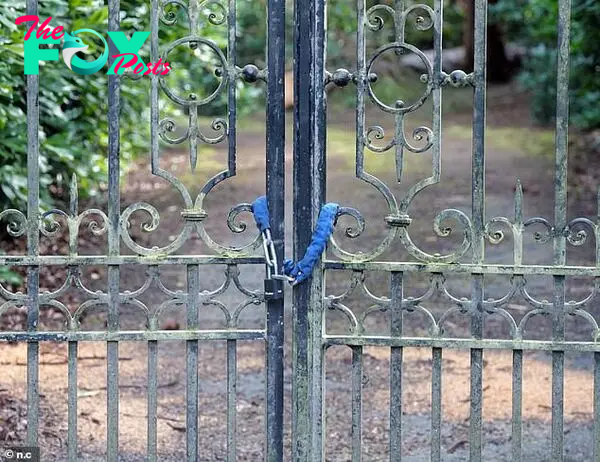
(513, 151)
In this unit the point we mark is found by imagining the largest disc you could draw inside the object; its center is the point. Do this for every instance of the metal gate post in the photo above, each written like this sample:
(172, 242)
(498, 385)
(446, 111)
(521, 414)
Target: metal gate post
(275, 187)
(309, 194)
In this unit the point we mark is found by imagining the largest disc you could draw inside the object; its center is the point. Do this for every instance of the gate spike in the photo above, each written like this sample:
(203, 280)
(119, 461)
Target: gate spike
(518, 202)
(74, 196)
(193, 153)
(193, 132)
(399, 137)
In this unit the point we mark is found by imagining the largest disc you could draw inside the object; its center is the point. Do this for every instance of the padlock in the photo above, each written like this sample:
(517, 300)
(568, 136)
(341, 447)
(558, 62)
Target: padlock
(273, 289)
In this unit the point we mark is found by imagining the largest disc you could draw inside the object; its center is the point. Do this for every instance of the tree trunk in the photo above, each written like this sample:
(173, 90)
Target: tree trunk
(499, 68)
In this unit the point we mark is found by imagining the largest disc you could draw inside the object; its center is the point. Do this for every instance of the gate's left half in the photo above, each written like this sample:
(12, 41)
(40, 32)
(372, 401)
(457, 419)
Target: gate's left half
(142, 329)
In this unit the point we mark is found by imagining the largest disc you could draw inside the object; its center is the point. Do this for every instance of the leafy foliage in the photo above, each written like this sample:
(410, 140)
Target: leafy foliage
(73, 108)
(73, 123)
(342, 24)
(533, 23)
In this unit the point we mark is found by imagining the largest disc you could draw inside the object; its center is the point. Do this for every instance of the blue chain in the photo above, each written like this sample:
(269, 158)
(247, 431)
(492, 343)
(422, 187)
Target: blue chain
(298, 272)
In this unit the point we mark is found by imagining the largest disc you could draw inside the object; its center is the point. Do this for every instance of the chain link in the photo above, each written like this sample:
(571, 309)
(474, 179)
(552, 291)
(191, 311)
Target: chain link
(271, 258)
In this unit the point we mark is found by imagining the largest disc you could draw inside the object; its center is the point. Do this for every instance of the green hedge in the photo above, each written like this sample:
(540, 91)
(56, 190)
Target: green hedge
(73, 123)
(533, 23)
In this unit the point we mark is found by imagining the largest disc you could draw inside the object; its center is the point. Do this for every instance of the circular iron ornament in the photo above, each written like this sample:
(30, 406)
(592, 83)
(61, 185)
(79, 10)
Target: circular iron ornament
(400, 108)
(193, 98)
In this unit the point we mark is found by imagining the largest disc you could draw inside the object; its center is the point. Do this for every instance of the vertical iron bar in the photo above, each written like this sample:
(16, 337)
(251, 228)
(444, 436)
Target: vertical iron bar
(357, 374)
(33, 272)
(72, 350)
(436, 365)
(152, 399)
(154, 109)
(562, 129)
(517, 404)
(399, 6)
(436, 404)
(232, 400)
(112, 379)
(596, 433)
(361, 87)
(560, 223)
(301, 174)
(478, 218)
(231, 90)
(319, 176)
(193, 289)
(558, 369)
(309, 194)
(275, 187)
(396, 295)
(72, 402)
(232, 148)
(436, 152)
(114, 203)
(479, 124)
(475, 425)
(152, 422)
(360, 142)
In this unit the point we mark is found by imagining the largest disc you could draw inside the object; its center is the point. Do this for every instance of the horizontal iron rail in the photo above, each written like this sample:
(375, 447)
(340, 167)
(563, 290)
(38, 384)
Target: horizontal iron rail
(459, 343)
(464, 268)
(133, 335)
(42, 260)
(549, 270)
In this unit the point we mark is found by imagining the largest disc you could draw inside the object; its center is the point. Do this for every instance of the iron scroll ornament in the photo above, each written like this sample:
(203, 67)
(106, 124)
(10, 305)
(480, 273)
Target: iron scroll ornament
(398, 218)
(576, 232)
(214, 13)
(436, 326)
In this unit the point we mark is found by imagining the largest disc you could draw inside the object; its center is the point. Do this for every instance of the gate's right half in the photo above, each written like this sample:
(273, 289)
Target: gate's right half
(447, 308)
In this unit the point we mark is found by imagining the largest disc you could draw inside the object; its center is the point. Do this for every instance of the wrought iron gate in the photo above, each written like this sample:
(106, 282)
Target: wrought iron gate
(311, 302)
(116, 223)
